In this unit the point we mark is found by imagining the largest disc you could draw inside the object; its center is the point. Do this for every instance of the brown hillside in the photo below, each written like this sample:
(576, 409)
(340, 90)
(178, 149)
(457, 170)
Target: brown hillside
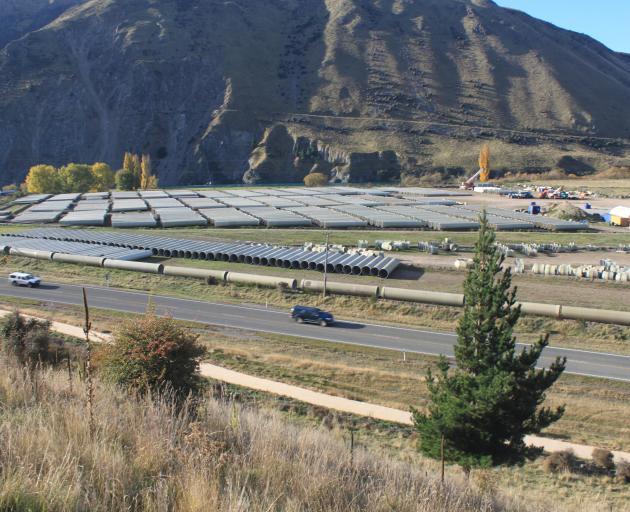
(365, 89)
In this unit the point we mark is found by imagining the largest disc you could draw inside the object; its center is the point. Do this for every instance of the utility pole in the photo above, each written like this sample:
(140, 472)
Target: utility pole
(326, 265)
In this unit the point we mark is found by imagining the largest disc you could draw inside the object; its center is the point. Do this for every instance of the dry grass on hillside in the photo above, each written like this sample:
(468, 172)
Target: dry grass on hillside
(148, 456)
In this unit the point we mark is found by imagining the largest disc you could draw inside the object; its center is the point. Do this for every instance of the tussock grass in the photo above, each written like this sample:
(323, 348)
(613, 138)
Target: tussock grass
(148, 455)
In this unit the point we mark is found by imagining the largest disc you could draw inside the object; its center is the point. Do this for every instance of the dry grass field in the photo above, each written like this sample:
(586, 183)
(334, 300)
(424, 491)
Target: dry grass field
(169, 459)
(147, 455)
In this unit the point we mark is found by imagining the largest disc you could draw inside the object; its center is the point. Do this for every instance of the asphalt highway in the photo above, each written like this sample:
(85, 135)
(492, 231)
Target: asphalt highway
(259, 318)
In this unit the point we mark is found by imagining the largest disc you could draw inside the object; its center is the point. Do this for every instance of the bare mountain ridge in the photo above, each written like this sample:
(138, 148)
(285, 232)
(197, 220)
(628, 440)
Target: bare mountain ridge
(265, 90)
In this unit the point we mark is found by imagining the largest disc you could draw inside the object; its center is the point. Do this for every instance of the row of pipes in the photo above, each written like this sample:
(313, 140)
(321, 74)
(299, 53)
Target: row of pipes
(378, 292)
(264, 255)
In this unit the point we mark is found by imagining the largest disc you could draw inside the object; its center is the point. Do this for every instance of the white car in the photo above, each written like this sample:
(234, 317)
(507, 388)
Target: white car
(24, 279)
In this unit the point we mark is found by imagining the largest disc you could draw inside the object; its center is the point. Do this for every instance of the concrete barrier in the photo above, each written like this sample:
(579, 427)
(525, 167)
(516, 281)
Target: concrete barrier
(422, 296)
(270, 281)
(359, 290)
(137, 266)
(92, 261)
(31, 253)
(199, 273)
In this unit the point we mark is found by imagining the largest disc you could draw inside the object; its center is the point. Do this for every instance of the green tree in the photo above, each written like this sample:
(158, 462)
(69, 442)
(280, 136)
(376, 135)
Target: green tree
(125, 180)
(77, 177)
(43, 179)
(493, 398)
(27, 340)
(154, 354)
(103, 177)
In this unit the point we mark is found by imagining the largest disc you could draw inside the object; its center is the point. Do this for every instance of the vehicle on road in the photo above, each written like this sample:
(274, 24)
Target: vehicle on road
(305, 314)
(24, 279)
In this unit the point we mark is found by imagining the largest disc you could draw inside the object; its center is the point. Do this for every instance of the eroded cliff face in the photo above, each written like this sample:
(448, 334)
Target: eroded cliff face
(268, 90)
(282, 157)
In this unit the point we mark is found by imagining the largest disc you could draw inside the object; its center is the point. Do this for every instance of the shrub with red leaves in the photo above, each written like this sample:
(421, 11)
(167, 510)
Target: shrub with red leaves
(154, 354)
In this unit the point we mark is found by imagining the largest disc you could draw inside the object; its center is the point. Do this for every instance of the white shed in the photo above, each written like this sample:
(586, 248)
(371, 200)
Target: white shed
(620, 216)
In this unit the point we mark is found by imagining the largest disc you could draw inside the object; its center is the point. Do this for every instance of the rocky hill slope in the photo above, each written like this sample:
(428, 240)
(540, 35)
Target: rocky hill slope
(267, 90)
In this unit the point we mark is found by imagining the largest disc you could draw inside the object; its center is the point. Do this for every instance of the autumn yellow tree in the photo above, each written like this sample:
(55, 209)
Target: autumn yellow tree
(484, 163)
(147, 178)
(137, 170)
(316, 179)
(43, 179)
(128, 161)
(104, 177)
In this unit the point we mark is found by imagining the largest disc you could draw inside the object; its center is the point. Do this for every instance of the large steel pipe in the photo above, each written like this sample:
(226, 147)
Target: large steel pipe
(332, 261)
(357, 266)
(347, 266)
(335, 263)
(199, 273)
(366, 270)
(360, 290)
(422, 296)
(288, 258)
(280, 257)
(260, 259)
(270, 281)
(534, 308)
(308, 258)
(266, 254)
(272, 258)
(386, 270)
(31, 253)
(595, 315)
(149, 268)
(317, 258)
(340, 263)
(93, 261)
(248, 255)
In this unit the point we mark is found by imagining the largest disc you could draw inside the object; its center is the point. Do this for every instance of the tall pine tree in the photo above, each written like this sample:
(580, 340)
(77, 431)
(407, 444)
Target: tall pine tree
(484, 407)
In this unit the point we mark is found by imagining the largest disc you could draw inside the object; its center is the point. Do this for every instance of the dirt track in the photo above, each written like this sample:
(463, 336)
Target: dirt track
(323, 400)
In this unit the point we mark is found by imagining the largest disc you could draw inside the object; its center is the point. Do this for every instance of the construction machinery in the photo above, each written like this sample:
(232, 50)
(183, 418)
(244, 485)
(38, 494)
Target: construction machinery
(484, 170)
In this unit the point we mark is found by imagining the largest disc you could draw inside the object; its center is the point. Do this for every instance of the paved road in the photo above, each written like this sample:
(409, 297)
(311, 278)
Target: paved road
(258, 318)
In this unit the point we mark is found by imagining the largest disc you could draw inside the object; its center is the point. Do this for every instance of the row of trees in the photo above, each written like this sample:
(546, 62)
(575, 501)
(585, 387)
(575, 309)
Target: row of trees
(136, 173)
(47, 179)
